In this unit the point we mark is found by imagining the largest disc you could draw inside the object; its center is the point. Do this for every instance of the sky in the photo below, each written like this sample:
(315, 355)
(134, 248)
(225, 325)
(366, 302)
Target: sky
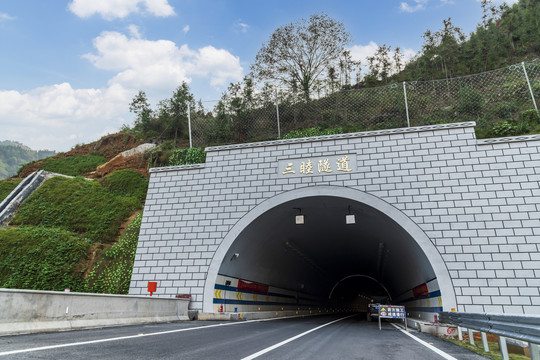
(69, 68)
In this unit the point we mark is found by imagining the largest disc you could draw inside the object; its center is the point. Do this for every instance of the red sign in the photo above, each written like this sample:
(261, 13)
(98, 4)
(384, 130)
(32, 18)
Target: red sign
(152, 287)
(420, 290)
(251, 286)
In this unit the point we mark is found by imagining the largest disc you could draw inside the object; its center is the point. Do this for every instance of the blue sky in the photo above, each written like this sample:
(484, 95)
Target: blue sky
(69, 68)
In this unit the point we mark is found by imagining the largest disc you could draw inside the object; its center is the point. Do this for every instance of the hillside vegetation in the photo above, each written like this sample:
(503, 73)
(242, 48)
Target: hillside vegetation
(67, 229)
(13, 154)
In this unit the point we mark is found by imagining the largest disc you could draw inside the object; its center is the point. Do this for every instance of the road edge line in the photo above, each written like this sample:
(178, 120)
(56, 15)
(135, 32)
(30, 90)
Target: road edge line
(429, 346)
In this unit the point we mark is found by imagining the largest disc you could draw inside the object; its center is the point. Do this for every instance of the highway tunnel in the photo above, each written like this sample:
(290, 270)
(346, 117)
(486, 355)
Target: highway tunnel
(307, 249)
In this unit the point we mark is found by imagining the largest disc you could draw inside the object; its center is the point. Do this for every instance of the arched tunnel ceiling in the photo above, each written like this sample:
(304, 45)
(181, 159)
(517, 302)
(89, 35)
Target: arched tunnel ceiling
(315, 256)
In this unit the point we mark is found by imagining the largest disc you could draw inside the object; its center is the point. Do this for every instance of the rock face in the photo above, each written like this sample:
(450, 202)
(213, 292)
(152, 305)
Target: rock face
(132, 159)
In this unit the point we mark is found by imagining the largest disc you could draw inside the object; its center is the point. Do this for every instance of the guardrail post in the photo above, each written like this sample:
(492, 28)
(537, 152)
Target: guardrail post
(503, 348)
(535, 353)
(459, 333)
(471, 337)
(485, 344)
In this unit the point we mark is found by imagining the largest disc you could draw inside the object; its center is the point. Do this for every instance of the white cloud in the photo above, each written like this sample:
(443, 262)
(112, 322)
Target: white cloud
(112, 9)
(4, 16)
(186, 29)
(134, 31)
(416, 6)
(362, 52)
(160, 64)
(58, 116)
(241, 26)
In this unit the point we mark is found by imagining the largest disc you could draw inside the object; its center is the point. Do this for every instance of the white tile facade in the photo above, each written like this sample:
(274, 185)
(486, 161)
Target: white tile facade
(477, 200)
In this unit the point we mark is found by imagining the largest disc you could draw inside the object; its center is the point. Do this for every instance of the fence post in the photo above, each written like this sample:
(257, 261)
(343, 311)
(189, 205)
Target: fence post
(189, 124)
(529, 83)
(406, 105)
(535, 353)
(471, 337)
(504, 348)
(484, 342)
(277, 114)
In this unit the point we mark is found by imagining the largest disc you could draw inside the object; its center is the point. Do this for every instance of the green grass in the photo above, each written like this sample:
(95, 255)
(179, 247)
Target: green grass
(494, 353)
(127, 183)
(6, 187)
(112, 274)
(77, 205)
(40, 258)
(75, 165)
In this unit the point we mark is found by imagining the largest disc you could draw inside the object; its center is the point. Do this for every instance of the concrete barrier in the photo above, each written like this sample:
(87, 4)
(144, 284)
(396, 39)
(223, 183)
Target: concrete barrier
(28, 311)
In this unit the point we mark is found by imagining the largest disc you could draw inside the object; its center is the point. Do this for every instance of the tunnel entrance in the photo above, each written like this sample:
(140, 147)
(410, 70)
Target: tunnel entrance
(348, 250)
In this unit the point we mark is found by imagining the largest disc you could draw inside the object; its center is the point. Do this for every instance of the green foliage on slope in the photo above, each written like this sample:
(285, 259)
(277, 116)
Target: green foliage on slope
(7, 187)
(74, 165)
(127, 182)
(77, 205)
(112, 274)
(40, 258)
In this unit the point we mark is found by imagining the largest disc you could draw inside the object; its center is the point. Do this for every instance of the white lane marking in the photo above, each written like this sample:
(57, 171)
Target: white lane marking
(270, 348)
(431, 347)
(12, 352)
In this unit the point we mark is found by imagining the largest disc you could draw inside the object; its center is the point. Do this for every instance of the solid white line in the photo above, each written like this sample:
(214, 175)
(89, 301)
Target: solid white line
(431, 347)
(270, 348)
(139, 336)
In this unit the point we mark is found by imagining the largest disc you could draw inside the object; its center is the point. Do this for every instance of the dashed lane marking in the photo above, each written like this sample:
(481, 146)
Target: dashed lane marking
(270, 348)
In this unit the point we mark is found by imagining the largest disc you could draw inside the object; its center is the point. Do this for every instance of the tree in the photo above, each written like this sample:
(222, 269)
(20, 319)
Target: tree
(302, 51)
(172, 114)
(140, 107)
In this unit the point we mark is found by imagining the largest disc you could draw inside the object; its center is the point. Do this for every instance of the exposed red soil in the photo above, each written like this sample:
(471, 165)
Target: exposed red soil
(109, 146)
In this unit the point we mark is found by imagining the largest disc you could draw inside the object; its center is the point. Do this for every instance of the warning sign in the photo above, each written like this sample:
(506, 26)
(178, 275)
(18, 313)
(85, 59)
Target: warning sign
(392, 312)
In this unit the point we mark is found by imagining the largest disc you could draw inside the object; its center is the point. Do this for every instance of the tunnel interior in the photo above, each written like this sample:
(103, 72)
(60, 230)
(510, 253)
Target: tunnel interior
(326, 257)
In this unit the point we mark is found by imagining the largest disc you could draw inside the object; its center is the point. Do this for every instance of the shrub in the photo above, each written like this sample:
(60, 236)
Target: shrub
(310, 132)
(127, 182)
(77, 205)
(74, 166)
(187, 156)
(40, 258)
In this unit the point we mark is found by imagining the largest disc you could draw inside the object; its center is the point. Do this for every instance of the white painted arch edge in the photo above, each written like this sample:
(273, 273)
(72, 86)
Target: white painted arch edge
(441, 272)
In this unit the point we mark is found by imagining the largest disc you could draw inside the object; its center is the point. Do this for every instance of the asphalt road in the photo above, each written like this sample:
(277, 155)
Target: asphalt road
(317, 337)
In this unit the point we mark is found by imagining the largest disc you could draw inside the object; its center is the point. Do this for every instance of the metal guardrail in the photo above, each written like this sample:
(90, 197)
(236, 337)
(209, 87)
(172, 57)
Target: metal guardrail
(519, 327)
(524, 328)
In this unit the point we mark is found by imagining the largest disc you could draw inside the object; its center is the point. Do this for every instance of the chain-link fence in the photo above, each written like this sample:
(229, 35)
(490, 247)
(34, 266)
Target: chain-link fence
(496, 100)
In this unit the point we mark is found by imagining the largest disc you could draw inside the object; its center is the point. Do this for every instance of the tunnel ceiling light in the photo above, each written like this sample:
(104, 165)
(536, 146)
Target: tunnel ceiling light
(299, 219)
(350, 218)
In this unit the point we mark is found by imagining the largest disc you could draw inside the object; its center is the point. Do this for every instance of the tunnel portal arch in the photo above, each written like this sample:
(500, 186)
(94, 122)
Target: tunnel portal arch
(287, 205)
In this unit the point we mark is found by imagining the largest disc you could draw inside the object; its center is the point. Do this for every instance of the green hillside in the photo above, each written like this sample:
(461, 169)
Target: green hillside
(66, 232)
(14, 154)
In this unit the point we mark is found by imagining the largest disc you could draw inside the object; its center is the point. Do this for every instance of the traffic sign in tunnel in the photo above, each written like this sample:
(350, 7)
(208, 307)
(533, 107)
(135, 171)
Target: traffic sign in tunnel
(325, 251)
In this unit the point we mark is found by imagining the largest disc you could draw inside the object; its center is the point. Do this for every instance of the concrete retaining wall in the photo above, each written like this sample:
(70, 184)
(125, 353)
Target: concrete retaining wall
(27, 311)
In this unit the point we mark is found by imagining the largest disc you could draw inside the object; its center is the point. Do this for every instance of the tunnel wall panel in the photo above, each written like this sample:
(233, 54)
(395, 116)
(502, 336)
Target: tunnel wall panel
(476, 201)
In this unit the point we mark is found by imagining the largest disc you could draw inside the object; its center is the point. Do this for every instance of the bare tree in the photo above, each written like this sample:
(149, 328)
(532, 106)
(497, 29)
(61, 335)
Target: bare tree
(300, 52)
